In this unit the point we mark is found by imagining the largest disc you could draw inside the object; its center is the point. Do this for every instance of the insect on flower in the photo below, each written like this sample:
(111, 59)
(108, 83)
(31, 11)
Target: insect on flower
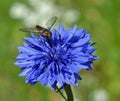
(57, 59)
(41, 30)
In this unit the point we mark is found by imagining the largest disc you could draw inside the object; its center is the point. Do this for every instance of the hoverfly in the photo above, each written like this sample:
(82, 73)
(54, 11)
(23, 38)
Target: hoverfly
(41, 30)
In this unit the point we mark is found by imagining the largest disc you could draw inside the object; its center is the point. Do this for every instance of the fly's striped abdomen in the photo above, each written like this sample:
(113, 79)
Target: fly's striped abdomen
(43, 31)
(47, 33)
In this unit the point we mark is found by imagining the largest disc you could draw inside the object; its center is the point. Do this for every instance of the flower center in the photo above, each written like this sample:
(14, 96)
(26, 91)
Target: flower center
(55, 54)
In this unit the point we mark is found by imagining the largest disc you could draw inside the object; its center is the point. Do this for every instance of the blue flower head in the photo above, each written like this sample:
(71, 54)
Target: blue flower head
(56, 60)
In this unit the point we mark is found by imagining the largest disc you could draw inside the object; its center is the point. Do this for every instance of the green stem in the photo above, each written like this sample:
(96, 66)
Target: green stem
(68, 92)
(58, 90)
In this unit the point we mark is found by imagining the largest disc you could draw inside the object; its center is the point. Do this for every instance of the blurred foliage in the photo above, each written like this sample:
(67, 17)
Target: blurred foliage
(99, 17)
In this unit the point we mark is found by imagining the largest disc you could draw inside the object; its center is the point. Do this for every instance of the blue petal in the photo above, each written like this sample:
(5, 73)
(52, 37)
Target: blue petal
(60, 78)
(25, 72)
(77, 76)
(75, 28)
(25, 63)
(35, 43)
(81, 42)
(61, 28)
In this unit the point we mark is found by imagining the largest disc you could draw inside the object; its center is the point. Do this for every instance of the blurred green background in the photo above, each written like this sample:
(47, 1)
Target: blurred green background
(101, 18)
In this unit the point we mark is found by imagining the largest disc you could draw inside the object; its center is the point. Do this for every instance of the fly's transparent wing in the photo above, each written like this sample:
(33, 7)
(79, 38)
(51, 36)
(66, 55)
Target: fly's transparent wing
(29, 30)
(51, 22)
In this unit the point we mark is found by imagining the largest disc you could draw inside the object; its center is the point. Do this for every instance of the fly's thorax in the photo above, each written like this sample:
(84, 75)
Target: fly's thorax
(39, 27)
